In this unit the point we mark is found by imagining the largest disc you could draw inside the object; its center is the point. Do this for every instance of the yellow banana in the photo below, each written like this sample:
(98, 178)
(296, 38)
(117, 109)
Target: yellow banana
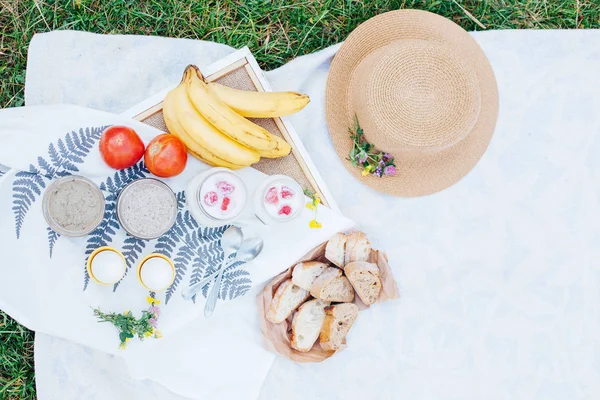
(216, 162)
(222, 117)
(207, 135)
(282, 149)
(193, 147)
(260, 104)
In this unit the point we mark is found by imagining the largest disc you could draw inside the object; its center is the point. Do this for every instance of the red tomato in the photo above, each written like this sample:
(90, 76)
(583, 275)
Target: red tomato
(165, 156)
(121, 147)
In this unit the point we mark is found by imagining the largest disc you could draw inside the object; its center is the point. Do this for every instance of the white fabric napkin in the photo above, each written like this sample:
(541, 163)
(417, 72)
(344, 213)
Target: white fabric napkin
(46, 270)
(498, 275)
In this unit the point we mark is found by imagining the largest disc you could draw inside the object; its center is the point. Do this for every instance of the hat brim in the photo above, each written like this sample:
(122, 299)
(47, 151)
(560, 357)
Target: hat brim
(433, 171)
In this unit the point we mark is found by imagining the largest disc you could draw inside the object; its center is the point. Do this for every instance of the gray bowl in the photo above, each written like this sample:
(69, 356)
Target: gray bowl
(73, 206)
(147, 208)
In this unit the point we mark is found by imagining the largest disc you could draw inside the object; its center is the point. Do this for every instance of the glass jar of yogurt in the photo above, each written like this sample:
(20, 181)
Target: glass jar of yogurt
(217, 197)
(279, 199)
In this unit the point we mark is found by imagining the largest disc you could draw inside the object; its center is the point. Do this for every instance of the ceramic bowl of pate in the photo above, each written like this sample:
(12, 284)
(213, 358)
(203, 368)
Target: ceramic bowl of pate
(73, 206)
(147, 208)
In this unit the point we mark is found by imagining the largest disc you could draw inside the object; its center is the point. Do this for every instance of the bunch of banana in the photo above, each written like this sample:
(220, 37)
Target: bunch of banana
(210, 120)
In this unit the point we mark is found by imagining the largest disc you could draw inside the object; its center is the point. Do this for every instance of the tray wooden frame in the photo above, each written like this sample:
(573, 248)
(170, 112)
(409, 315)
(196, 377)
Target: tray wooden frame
(243, 58)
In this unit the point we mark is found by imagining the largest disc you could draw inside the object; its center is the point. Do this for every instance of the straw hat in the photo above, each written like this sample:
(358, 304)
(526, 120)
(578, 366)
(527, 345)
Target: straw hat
(422, 90)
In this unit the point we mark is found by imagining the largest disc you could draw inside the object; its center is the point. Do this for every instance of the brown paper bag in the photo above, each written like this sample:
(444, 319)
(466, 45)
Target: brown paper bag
(276, 337)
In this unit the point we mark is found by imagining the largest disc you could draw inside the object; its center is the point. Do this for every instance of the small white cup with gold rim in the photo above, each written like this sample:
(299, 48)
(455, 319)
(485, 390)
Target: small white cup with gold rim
(106, 265)
(156, 272)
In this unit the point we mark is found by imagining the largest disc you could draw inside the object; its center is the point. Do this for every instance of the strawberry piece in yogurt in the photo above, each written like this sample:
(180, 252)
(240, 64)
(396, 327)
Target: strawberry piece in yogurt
(287, 192)
(211, 198)
(285, 210)
(225, 203)
(272, 197)
(225, 187)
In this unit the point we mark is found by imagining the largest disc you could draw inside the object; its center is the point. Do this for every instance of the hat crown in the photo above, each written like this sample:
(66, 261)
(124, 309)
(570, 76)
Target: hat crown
(414, 96)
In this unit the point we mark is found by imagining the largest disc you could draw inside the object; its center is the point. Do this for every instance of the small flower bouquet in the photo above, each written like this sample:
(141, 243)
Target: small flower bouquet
(129, 326)
(365, 156)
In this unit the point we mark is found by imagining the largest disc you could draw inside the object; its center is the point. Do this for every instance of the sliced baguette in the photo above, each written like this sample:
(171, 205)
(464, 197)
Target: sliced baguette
(338, 321)
(358, 248)
(336, 249)
(307, 324)
(364, 277)
(332, 286)
(286, 299)
(305, 273)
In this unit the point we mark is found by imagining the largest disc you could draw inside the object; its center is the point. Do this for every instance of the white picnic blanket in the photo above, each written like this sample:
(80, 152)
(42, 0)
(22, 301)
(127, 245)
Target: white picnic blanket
(45, 285)
(499, 274)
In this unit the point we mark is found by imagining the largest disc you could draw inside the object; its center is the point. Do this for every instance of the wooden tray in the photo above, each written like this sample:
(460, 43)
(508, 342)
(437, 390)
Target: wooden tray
(240, 70)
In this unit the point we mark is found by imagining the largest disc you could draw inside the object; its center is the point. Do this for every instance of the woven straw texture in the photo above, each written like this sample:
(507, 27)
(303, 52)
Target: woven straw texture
(240, 79)
(422, 90)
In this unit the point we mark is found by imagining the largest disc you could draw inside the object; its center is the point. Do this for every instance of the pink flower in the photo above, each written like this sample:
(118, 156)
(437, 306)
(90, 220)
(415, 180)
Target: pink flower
(154, 310)
(153, 322)
(390, 170)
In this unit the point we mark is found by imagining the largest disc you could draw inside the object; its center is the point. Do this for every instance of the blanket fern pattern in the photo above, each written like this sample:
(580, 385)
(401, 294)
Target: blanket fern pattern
(103, 235)
(52, 238)
(63, 157)
(187, 243)
(132, 248)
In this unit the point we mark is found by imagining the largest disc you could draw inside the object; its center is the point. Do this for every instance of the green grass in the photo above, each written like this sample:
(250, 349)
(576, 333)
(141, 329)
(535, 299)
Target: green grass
(276, 31)
(16, 360)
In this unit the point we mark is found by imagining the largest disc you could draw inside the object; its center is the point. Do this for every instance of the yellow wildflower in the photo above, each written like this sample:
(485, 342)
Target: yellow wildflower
(157, 334)
(152, 300)
(310, 206)
(123, 346)
(148, 334)
(315, 225)
(127, 312)
(317, 200)
(366, 171)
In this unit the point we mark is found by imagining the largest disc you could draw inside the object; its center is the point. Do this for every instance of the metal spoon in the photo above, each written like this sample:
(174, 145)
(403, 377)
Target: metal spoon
(249, 250)
(253, 249)
(231, 241)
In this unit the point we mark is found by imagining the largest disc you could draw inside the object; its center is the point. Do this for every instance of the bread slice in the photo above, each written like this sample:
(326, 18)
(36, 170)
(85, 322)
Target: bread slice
(338, 321)
(307, 324)
(286, 299)
(364, 277)
(305, 273)
(332, 286)
(358, 247)
(336, 248)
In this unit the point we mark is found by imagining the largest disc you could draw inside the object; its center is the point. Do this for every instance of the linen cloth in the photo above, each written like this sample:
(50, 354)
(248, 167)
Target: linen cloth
(45, 291)
(51, 269)
(498, 274)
